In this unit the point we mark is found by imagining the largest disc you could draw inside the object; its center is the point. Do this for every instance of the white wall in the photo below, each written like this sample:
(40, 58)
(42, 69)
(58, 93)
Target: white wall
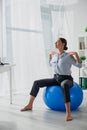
(80, 22)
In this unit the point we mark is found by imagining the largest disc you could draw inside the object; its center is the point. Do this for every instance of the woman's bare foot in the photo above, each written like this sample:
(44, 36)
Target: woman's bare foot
(26, 108)
(69, 118)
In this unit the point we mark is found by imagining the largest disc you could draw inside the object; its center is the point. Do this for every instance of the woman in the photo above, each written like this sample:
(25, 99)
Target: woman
(61, 62)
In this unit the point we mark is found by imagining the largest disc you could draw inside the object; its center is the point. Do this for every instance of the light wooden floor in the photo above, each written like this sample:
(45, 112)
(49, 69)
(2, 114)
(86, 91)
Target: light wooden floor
(41, 118)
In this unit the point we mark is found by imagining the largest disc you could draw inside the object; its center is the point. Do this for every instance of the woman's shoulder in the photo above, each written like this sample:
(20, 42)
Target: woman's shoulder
(68, 55)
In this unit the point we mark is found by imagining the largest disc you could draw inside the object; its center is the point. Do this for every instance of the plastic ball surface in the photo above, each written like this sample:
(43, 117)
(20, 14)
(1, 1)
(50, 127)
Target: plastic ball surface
(53, 97)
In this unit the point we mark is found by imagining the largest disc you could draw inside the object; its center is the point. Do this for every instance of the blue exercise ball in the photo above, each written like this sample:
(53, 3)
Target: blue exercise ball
(53, 97)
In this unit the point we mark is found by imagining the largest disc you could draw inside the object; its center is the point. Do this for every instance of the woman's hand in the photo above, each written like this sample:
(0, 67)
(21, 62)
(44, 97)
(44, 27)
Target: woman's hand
(76, 56)
(72, 53)
(51, 54)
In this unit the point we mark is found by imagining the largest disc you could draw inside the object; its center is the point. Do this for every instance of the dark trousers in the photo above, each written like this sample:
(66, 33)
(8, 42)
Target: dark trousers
(64, 81)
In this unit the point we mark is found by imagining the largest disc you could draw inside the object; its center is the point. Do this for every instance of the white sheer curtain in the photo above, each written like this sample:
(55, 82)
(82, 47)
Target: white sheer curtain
(4, 80)
(27, 43)
(25, 46)
(63, 25)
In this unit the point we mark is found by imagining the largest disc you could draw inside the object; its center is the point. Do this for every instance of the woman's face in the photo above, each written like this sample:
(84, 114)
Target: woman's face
(59, 45)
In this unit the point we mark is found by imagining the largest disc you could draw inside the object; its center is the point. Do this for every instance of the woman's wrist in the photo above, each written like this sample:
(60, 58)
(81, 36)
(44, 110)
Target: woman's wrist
(77, 57)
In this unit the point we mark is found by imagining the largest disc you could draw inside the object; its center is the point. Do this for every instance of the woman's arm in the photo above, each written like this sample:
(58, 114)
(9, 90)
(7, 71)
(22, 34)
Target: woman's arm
(76, 56)
(52, 58)
(51, 54)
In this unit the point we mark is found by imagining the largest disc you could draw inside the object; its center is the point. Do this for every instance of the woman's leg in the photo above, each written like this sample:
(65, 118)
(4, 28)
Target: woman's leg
(35, 89)
(29, 105)
(68, 112)
(66, 84)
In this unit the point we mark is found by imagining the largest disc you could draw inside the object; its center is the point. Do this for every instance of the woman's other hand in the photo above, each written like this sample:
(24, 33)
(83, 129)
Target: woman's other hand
(51, 54)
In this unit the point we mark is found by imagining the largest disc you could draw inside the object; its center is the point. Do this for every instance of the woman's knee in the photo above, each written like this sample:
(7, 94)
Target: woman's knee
(66, 83)
(35, 83)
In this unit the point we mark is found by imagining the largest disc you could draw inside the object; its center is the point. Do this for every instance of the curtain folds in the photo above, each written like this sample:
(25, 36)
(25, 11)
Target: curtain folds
(25, 40)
